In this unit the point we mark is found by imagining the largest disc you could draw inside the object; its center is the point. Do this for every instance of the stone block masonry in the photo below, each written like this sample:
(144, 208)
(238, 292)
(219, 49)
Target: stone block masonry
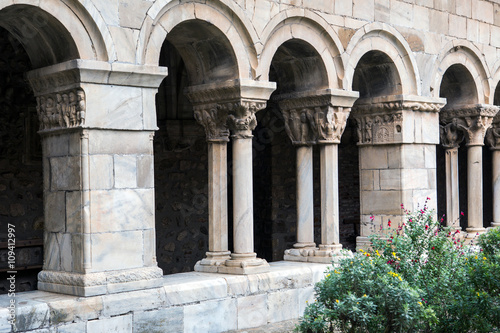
(191, 302)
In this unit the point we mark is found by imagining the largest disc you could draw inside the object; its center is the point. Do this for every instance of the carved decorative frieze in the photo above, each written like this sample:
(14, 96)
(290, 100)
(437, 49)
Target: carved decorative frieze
(447, 114)
(61, 110)
(396, 106)
(450, 135)
(380, 128)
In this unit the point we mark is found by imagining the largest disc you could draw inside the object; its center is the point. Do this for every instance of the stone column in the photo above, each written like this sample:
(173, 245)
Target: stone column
(97, 122)
(474, 120)
(213, 118)
(243, 98)
(397, 156)
(311, 117)
(493, 139)
(450, 139)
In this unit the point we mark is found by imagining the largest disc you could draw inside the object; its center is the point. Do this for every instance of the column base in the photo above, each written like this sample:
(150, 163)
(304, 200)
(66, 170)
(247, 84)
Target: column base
(212, 262)
(325, 254)
(244, 264)
(101, 283)
(495, 224)
(472, 232)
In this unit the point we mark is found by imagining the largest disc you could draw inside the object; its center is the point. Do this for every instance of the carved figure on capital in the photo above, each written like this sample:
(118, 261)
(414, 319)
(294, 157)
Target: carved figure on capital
(450, 135)
(61, 110)
(241, 118)
(300, 126)
(493, 136)
(214, 120)
(330, 124)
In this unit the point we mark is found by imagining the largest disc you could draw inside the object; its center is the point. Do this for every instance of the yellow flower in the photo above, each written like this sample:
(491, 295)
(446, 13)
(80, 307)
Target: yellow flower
(475, 257)
(478, 293)
(400, 279)
(335, 271)
(484, 258)
(420, 303)
(377, 253)
(364, 295)
(328, 275)
(394, 254)
(337, 301)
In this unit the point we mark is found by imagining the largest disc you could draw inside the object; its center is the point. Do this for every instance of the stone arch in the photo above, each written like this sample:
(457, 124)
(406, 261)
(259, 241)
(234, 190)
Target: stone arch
(46, 29)
(325, 43)
(382, 37)
(467, 55)
(232, 32)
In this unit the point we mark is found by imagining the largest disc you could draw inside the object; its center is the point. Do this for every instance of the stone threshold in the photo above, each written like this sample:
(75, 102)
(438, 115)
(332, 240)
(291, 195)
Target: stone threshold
(186, 302)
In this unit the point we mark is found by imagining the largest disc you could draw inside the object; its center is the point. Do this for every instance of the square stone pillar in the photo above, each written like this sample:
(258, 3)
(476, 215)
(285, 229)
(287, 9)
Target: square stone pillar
(97, 122)
(397, 158)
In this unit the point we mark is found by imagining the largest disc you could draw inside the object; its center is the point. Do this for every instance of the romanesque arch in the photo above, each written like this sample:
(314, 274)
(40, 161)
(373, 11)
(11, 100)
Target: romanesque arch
(46, 31)
(233, 33)
(468, 56)
(323, 41)
(386, 39)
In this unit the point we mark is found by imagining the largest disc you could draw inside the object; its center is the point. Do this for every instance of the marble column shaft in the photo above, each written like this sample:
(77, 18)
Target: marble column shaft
(452, 188)
(242, 196)
(475, 188)
(496, 188)
(217, 197)
(305, 201)
(329, 195)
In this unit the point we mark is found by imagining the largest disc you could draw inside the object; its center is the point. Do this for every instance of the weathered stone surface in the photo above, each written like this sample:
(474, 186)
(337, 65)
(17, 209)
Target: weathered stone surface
(119, 324)
(159, 321)
(211, 316)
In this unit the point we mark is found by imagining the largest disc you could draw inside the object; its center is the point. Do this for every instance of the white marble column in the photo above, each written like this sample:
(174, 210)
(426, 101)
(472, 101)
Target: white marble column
(213, 119)
(496, 188)
(451, 137)
(305, 200)
(493, 140)
(243, 260)
(452, 189)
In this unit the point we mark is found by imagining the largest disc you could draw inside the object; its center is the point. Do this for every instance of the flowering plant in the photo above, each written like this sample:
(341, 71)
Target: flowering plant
(421, 278)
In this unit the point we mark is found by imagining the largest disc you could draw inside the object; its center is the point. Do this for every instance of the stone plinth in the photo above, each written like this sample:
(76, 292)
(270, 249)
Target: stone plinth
(397, 155)
(96, 123)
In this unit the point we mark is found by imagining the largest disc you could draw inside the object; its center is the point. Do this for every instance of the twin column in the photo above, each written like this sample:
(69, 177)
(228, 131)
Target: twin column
(220, 108)
(474, 121)
(316, 117)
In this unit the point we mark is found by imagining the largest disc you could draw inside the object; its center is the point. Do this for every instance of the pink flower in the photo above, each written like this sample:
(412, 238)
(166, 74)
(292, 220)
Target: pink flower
(432, 248)
(462, 213)
(428, 198)
(426, 227)
(389, 223)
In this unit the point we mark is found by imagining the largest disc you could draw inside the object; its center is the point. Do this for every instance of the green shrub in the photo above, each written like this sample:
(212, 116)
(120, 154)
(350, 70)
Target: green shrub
(420, 278)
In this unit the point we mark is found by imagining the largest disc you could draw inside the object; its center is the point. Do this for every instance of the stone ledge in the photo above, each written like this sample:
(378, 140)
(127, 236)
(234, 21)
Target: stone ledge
(185, 297)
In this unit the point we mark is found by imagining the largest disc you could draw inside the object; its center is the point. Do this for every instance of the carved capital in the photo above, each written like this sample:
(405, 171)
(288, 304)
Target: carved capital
(475, 128)
(300, 125)
(316, 116)
(214, 120)
(493, 136)
(450, 135)
(64, 109)
(241, 118)
(331, 123)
